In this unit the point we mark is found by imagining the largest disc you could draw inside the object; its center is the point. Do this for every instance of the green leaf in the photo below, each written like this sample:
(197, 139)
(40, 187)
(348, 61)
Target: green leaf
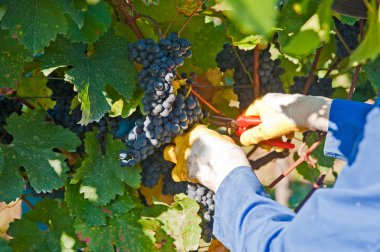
(35, 85)
(303, 43)
(4, 246)
(32, 148)
(369, 48)
(181, 222)
(125, 232)
(252, 16)
(243, 42)
(373, 73)
(153, 229)
(348, 20)
(40, 22)
(363, 92)
(204, 48)
(107, 64)
(97, 20)
(293, 16)
(290, 71)
(324, 163)
(58, 236)
(13, 55)
(88, 213)
(307, 172)
(102, 176)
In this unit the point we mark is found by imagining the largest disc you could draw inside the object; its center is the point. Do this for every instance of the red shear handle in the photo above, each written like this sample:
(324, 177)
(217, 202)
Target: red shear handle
(278, 143)
(248, 121)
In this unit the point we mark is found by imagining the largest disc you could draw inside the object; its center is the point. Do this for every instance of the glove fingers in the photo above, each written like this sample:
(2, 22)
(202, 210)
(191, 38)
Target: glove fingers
(254, 108)
(254, 136)
(169, 154)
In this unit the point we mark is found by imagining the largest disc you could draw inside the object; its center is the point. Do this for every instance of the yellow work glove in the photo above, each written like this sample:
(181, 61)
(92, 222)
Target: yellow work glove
(205, 156)
(283, 114)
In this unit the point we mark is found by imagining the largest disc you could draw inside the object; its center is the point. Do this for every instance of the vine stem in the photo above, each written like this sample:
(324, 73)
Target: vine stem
(316, 185)
(209, 105)
(27, 202)
(129, 20)
(190, 17)
(342, 40)
(312, 70)
(353, 83)
(298, 161)
(256, 78)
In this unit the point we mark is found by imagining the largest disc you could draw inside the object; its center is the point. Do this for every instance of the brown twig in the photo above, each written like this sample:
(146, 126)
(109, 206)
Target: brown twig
(258, 163)
(342, 40)
(353, 83)
(316, 185)
(26, 202)
(298, 161)
(256, 79)
(129, 20)
(209, 105)
(190, 17)
(312, 70)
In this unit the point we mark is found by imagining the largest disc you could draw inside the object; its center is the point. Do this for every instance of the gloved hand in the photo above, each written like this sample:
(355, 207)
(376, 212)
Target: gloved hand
(283, 114)
(205, 156)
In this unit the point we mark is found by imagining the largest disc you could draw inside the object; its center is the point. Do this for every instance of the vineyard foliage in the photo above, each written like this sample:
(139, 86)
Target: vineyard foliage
(73, 105)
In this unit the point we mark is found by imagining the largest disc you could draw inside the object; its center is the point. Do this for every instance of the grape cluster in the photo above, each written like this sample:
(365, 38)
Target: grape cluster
(318, 87)
(153, 167)
(159, 62)
(205, 198)
(62, 114)
(152, 132)
(350, 35)
(242, 63)
(7, 107)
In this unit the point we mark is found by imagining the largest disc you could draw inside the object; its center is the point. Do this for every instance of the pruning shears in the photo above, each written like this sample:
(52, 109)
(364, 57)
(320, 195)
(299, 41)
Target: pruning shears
(243, 123)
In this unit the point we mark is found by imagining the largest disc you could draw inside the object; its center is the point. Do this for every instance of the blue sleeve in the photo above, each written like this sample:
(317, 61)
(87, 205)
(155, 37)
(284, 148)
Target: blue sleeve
(343, 218)
(346, 123)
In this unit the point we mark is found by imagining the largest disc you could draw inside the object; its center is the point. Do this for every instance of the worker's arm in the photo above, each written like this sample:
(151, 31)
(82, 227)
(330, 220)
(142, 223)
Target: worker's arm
(343, 218)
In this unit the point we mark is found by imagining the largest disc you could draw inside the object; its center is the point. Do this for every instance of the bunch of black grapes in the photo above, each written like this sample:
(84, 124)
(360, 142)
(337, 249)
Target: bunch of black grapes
(8, 105)
(159, 62)
(242, 63)
(152, 132)
(350, 35)
(318, 87)
(205, 199)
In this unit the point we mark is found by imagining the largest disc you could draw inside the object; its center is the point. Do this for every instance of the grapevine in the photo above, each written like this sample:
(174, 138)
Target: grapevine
(91, 93)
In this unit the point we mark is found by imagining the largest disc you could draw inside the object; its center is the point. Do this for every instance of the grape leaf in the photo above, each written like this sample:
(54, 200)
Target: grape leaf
(243, 42)
(125, 232)
(4, 246)
(102, 176)
(204, 48)
(181, 222)
(32, 148)
(88, 213)
(152, 229)
(252, 16)
(292, 17)
(41, 21)
(58, 234)
(13, 57)
(107, 64)
(369, 48)
(373, 73)
(97, 20)
(35, 85)
(307, 172)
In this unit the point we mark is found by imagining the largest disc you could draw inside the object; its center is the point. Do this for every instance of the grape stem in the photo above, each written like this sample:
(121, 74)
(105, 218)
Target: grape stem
(158, 27)
(129, 20)
(26, 201)
(342, 40)
(209, 105)
(190, 17)
(242, 65)
(312, 70)
(256, 79)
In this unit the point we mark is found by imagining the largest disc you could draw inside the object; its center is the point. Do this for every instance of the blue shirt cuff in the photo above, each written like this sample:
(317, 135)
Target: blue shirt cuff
(346, 121)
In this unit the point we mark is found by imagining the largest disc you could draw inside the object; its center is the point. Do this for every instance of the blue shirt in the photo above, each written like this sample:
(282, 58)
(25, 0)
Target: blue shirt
(343, 218)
